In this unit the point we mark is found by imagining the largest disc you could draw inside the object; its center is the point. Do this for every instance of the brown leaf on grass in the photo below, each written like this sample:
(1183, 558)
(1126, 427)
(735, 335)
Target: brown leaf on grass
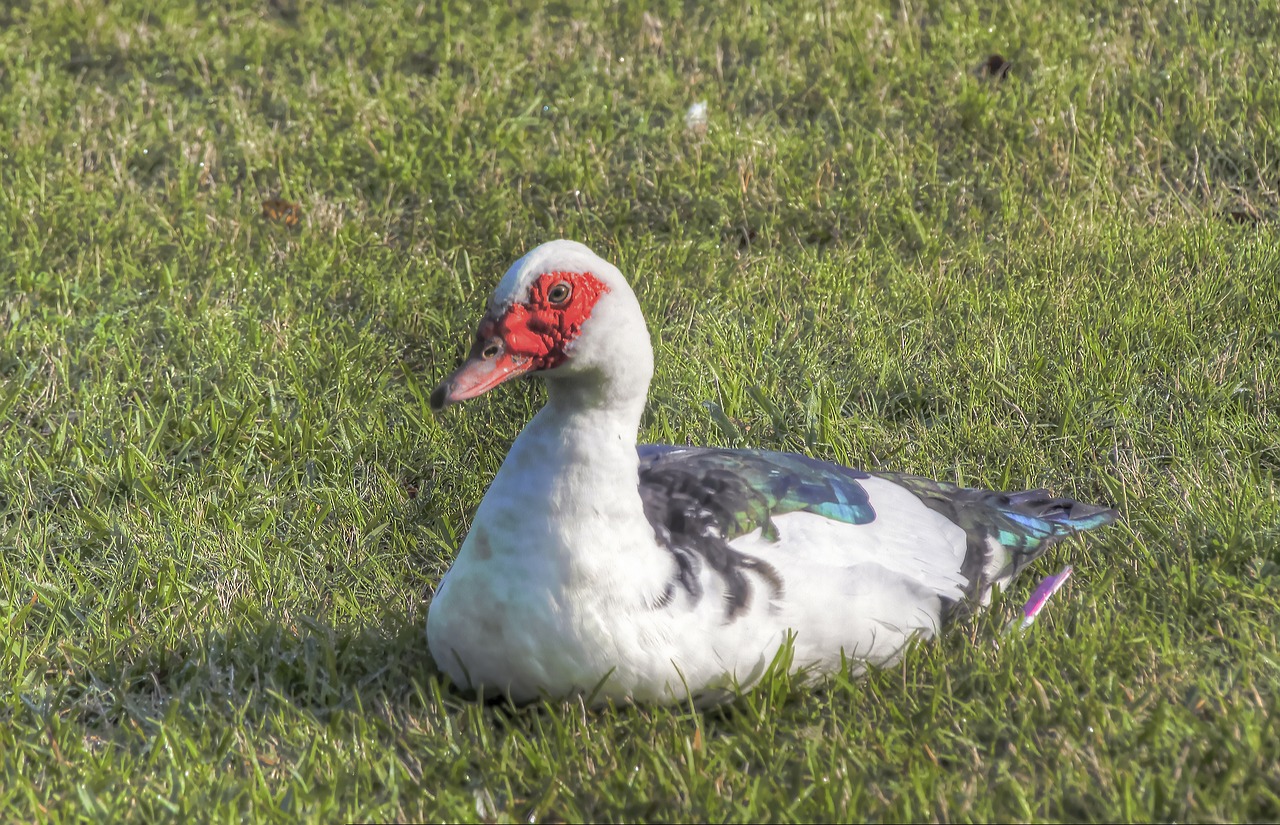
(742, 236)
(279, 210)
(1245, 215)
(995, 67)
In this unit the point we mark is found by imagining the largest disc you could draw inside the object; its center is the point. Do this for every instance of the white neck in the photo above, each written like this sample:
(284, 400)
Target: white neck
(593, 401)
(568, 493)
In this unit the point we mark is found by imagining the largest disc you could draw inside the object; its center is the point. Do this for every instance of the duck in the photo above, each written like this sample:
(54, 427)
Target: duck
(614, 572)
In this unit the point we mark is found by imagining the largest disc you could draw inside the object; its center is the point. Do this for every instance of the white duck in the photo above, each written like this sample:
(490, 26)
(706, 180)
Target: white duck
(661, 573)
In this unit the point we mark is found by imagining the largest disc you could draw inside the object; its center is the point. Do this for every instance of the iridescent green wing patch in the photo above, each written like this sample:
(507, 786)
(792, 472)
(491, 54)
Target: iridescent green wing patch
(699, 499)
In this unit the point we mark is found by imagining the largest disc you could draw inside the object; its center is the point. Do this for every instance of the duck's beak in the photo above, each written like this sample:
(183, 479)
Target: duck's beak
(488, 365)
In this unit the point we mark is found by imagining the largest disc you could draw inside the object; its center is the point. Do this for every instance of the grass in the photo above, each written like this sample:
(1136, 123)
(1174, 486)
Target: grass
(224, 502)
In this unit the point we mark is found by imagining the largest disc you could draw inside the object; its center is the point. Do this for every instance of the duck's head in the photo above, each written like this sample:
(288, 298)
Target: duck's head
(563, 312)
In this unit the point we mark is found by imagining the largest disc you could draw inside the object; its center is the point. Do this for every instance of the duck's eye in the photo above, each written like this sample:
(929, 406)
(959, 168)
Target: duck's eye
(559, 294)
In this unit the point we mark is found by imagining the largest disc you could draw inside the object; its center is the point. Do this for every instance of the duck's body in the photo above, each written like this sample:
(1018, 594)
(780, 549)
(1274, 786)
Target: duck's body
(664, 573)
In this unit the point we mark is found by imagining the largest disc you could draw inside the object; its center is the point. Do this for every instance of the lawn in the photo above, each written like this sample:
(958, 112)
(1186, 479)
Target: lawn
(1035, 246)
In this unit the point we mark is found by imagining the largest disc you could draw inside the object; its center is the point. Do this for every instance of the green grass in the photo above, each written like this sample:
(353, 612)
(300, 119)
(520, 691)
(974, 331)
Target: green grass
(224, 502)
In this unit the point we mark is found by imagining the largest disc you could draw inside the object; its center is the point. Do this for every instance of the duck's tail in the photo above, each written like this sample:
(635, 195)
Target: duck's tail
(1005, 532)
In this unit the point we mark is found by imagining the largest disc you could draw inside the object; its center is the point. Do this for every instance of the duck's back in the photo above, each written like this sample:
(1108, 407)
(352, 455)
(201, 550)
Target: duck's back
(851, 562)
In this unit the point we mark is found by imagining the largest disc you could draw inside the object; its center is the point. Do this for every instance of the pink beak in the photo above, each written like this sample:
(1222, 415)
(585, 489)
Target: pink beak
(488, 365)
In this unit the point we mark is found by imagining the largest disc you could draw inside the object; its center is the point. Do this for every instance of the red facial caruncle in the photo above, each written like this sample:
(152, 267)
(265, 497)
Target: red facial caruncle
(543, 326)
(533, 335)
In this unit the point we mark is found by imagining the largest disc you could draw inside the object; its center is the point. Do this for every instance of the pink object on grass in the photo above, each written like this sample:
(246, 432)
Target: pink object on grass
(1041, 596)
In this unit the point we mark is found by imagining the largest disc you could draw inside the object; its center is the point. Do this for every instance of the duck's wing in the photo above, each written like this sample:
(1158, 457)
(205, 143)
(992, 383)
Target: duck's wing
(700, 499)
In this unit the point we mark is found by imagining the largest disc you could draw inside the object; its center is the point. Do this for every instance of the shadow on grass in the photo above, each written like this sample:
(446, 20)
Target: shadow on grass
(264, 663)
(258, 666)
(262, 667)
